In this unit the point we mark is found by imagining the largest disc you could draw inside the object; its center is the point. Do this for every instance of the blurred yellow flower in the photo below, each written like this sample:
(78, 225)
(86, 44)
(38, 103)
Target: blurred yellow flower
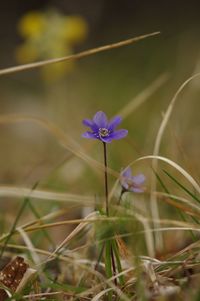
(75, 29)
(48, 35)
(32, 24)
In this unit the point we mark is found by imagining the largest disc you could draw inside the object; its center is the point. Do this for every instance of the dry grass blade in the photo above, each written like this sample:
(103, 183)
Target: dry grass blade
(28, 242)
(75, 232)
(38, 221)
(76, 56)
(82, 223)
(176, 202)
(173, 229)
(176, 166)
(153, 199)
(48, 295)
(177, 223)
(112, 286)
(28, 228)
(168, 114)
(101, 294)
(142, 219)
(164, 196)
(183, 208)
(19, 192)
(47, 217)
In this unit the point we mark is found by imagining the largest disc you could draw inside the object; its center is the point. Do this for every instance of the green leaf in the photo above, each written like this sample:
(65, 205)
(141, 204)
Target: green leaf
(119, 267)
(183, 187)
(177, 209)
(108, 264)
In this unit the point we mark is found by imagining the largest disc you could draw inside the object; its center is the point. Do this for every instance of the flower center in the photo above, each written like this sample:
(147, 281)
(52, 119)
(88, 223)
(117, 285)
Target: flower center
(103, 132)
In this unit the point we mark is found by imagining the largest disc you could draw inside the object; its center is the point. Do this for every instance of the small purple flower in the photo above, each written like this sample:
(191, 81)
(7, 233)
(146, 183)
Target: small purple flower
(131, 183)
(102, 129)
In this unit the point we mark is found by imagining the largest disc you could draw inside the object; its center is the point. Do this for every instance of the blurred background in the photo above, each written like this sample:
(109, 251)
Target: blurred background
(68, 92)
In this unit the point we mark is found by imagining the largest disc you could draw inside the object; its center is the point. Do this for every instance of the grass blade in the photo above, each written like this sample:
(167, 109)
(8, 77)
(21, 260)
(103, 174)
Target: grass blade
(76, 56)
(108, 264)
(180, 185)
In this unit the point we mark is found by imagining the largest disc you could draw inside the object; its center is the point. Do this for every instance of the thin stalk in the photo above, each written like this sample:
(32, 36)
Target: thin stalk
(107, 207)
(106, 177)
(120, 197)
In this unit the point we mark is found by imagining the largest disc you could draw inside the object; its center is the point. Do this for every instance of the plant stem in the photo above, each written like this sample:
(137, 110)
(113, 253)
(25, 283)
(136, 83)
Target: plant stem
(107, 207)
(120, 197)
(106, 177)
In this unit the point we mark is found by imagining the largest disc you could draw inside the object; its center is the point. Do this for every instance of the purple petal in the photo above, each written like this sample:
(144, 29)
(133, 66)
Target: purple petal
(124, 184)
(89, 135)
(114, 122)
(90, 124)
(136, 189)
(125, 176)
(106, 139)
(126, 173)
(139, 179)
(119, 134)
(100, 119)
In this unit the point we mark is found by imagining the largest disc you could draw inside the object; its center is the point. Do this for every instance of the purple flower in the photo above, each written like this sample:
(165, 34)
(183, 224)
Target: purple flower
(102, 129)
(131, 183)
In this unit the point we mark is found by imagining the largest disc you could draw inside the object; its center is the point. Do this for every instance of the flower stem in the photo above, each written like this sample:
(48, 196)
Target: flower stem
(107, 207)
(120, 197)
(106, 177)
